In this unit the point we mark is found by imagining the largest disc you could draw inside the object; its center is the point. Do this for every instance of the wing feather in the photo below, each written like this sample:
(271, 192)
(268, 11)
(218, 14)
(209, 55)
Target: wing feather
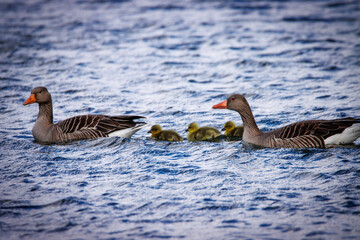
(309, 133)
(305, 141)
(319, 128)
(93, 126)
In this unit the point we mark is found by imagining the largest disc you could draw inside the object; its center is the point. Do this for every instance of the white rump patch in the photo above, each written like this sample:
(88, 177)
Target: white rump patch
(126, 133)
(349, 135)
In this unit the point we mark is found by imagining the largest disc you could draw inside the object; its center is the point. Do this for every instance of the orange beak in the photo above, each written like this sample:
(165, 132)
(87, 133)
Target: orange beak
(30, 100)
(222, 105)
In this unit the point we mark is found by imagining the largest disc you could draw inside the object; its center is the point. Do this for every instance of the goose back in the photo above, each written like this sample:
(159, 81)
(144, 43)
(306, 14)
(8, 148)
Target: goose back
(310, 133)
(91, 126)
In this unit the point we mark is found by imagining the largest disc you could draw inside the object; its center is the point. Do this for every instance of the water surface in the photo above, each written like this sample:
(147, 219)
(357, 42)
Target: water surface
(171, 61)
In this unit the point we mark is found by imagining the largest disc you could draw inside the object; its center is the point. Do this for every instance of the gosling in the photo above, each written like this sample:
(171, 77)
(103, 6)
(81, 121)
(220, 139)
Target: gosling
(164, 135)
(201, 134)
(232, 131)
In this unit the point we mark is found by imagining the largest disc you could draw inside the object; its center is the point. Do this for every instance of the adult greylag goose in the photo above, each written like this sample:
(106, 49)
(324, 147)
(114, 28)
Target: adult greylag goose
(305, 134)
(231, 130)
(79, 127)
(201, 134)
(165, 135)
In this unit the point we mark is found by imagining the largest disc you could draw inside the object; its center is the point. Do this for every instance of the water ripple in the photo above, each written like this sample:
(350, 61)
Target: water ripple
(171, 61)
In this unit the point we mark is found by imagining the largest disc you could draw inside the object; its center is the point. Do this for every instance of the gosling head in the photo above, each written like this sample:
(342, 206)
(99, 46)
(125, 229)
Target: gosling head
(155, 129)
(228, 126)
(193, 127)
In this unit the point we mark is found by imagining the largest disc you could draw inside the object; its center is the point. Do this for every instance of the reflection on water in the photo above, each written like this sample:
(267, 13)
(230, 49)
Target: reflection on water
(171, 61)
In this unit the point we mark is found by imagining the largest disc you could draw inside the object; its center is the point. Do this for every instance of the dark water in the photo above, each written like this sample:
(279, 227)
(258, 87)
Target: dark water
(171, 61)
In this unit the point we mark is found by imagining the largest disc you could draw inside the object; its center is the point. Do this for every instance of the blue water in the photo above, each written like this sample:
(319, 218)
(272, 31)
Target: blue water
(171, 61)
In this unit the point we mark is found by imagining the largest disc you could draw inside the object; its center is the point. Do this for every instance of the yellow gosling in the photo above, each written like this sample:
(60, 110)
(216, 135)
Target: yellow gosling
(201, 134)
(165, 135)
(232, 131)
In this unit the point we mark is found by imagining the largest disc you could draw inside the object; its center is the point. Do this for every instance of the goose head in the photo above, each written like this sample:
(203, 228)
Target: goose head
(38, 95)
(236, 102)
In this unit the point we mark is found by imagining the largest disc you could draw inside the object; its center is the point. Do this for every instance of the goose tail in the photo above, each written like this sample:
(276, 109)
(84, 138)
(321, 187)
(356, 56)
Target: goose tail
(128, 132)
(348, 136)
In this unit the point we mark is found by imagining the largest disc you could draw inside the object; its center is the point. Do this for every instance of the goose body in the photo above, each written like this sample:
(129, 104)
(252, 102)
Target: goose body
(79, 127)
(304, 134)
(201, 134)
(232, 131)
(165, 135)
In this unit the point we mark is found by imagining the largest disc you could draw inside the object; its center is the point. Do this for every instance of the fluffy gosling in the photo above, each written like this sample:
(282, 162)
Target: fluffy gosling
(201, 134)
(164, 135)
(232, 131)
